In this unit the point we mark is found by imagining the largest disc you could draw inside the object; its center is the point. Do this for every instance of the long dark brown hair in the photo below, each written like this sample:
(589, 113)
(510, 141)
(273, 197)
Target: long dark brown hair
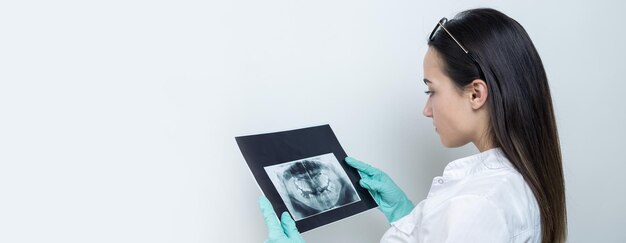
(522, 121)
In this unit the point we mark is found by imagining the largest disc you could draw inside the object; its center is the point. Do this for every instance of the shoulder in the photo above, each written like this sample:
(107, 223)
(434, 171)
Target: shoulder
(507, 189)
(496, 179)
(466, 218)
(498, 200)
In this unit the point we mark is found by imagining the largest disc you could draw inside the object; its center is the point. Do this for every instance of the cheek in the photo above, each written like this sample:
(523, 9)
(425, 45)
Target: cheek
(441, 116)
(447, 118)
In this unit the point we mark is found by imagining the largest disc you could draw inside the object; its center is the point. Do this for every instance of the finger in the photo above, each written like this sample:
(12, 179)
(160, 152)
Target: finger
(371, 185)
(271, 220)
(289, 226)
(362, 167)
(365, 185)
(363, 175)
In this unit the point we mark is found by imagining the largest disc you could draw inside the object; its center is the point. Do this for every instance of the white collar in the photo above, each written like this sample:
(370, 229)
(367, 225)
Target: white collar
(493, 158)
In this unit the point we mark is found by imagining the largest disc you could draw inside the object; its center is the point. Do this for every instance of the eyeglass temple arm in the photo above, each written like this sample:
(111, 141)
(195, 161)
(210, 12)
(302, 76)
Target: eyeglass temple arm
(457, 42)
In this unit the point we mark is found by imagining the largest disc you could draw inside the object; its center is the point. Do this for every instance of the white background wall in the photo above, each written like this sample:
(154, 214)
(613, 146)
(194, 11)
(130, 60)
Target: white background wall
(118, 118)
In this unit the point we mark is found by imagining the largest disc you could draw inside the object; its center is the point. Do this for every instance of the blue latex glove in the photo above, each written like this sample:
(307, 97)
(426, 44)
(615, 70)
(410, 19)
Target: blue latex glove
(284, 231)
(390, 198)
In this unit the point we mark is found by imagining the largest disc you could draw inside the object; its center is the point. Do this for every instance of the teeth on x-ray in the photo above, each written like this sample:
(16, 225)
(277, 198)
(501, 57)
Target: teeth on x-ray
(313, 185)
(307, 188)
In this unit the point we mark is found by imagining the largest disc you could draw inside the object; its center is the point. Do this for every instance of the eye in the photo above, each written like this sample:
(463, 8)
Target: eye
(429, 92)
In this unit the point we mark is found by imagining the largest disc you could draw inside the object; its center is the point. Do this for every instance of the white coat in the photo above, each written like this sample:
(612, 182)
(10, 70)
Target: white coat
(479, 198)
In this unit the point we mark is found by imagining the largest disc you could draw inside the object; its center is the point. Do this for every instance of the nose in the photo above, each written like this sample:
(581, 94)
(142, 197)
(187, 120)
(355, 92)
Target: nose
(428, 111)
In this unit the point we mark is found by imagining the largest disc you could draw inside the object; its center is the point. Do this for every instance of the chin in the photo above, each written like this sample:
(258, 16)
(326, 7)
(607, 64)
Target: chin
(452, 144)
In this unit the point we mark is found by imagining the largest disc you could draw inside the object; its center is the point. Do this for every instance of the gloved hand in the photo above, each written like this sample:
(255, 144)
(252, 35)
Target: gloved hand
(390, 198)
(284, 231)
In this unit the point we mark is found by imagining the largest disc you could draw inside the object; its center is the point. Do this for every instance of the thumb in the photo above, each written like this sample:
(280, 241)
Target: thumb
(289, 226)
(372, 185)
(273, 226)
(363, 168)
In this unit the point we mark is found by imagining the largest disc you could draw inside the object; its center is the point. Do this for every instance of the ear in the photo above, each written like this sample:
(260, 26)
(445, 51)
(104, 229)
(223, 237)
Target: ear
(478, 93)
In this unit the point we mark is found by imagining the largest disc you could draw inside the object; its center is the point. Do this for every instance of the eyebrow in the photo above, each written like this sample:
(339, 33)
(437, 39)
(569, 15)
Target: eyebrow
(426, 81)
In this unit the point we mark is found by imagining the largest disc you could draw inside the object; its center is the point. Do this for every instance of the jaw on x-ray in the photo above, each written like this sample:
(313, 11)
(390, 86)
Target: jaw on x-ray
(300, 171)
(313, 186)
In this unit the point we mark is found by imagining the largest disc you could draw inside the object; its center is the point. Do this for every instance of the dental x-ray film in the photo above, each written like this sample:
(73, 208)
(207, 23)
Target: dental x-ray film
(303, 172)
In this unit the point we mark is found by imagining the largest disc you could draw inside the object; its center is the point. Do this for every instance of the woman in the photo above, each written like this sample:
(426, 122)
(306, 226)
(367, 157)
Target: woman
(486, 85)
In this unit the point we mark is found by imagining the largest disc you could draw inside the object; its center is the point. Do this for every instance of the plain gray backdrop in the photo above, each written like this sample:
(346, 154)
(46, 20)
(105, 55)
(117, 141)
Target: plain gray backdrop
(118, 118)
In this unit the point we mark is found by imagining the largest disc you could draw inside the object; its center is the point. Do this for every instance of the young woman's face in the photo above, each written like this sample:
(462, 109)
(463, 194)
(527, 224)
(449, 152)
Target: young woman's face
(449, 107)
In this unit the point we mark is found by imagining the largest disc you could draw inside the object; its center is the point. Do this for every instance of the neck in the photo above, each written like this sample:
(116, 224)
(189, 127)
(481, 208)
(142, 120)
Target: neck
(484, 148)
(483, 143)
